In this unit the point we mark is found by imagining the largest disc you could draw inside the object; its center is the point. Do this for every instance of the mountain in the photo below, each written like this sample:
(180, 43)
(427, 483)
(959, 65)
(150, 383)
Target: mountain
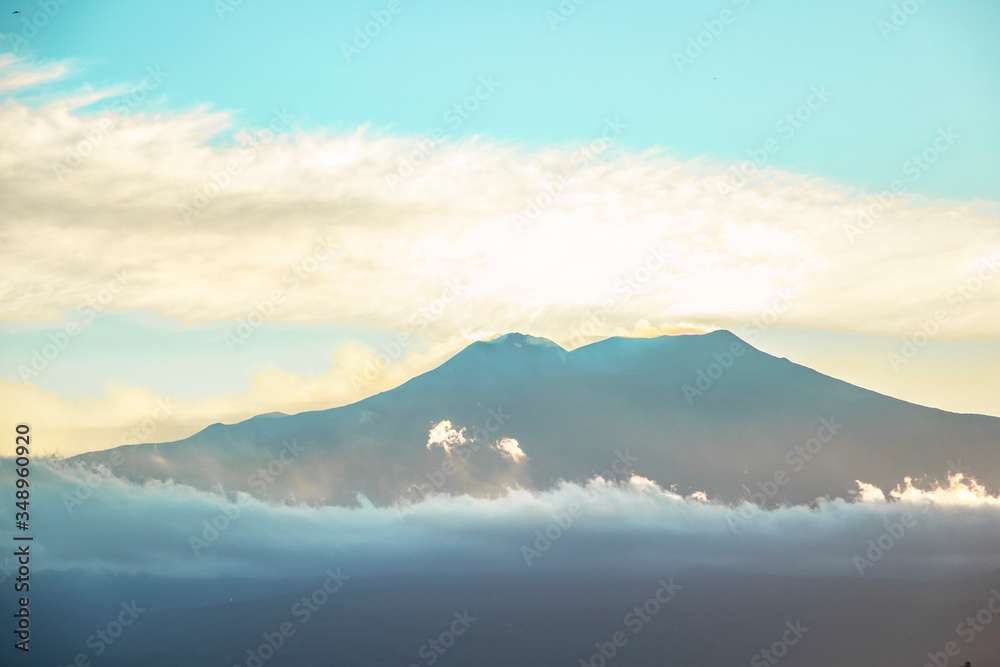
(696, 413)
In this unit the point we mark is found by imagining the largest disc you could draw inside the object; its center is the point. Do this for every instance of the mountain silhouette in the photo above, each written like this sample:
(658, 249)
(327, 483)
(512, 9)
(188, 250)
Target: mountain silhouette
(704, 413)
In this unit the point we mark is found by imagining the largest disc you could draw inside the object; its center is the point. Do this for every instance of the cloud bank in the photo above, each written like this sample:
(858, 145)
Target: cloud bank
(633, 527)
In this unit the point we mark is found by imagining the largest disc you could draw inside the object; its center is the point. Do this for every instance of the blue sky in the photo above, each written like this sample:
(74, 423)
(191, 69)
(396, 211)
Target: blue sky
(890, 93)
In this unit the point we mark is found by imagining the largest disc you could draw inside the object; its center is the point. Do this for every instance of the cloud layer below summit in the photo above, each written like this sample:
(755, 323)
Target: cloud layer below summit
(177, 531)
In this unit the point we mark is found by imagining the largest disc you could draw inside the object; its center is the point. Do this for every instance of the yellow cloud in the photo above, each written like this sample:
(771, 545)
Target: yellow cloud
(479, 236)
(129, 415)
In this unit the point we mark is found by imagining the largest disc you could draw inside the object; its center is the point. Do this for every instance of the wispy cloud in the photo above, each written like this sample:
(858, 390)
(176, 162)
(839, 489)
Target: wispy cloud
(19, 73)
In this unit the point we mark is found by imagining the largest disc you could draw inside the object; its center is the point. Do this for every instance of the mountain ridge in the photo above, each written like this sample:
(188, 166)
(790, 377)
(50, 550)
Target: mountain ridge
(703, 412)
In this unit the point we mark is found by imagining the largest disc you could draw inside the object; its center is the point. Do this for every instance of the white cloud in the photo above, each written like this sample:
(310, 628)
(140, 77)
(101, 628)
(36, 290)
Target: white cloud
(16, 73)
(445, 436)
(934, 533)
(397, 248)
(509, 448)
(121, 415)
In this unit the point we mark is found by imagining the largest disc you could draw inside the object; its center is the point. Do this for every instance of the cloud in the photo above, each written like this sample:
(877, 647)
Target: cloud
(509, 448)
(177, 531)
(123, 414)
(637, 241)
(17, 73)
(445, 436)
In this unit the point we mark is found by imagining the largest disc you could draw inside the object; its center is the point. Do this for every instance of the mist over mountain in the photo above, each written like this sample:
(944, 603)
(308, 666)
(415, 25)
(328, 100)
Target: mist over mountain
(697, 413)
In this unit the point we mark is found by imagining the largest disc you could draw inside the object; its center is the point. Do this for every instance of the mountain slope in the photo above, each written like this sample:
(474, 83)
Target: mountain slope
(705, 413)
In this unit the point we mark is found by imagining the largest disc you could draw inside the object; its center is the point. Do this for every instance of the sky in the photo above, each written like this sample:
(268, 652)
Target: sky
(213, 210)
